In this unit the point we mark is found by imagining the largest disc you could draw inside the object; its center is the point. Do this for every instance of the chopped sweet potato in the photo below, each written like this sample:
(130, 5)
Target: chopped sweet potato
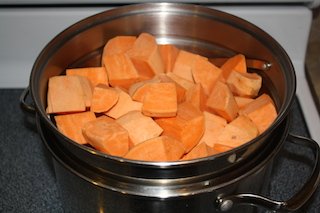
(244, 84)
(139, 126)
(206, 74)
(161, 148)
(120, 70)
(145, 55)
(87, 90)
(221, 101)
(186, 84)
(181, 91)
(103, 98)
(160, 100)
(118, 44)
(169, 55)
(184, 64)
(238, 132)
(71, 124)
(96, 75)
(236, 63)
(106, 135)
(242, 101)
(65, 94)
(138, 90)
(124, 105)
(261, 111)
(195, 95)
(214, 125)
(219, 148)
(188, 126)
(199, 151)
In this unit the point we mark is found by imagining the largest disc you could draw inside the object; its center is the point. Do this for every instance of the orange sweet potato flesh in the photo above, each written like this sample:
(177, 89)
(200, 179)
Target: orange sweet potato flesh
(71, 124)
(199, 151)
(120, 70)
(160, 100)
(184, 64)
(161, 148)
(261, 111)
(139, 126)
(181, 91)
(188, 126)
(214, 125)
(242, 101)
(206, 73)
(145, 56)
(196, 96)
(96, 75)
(244, 84)
(169, 55)
(238, 132)
(124, 105)
(138, 90)
(103, 98)
(236, 63)
(118, 44)
(65, 94)
(221, 102)
(106, 135)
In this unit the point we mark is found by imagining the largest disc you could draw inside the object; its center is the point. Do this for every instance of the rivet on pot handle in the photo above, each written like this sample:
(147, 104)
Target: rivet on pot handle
(26, 107)
(225, 203)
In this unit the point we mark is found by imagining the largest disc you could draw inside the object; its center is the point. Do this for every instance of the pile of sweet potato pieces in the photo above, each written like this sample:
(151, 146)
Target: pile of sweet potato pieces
(155, 102)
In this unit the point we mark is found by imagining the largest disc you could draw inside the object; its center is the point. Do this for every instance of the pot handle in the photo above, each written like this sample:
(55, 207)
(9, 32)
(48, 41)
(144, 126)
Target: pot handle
(23, 97)
(226, 202)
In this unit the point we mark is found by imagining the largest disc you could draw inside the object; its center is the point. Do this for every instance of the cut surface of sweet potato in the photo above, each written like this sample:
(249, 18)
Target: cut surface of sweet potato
(261, 111)
(106, 135)
(169, 55)
(181, 91)
(71, 124)
(162, 148)
(244, 84)
(138, 90)
(236, 63)
(103, 98)
(214, 125)
(196, 96)
(139, 126)
(238, 132)
(65, 94)
(120, 70)
(221, 101)
(118, 44)
(96, 75)
(145, 55)
(188, 126)
(206, 73)
(160, 100)
(242, 101)
(124, 105)
(199, 151)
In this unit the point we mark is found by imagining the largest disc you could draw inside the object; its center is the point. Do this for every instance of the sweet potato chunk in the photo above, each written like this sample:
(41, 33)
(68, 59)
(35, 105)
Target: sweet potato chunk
(107, 136)
(160, 100)
(184, 64)
(221, 101)
(65, 94)
(244, 84)
(71, 125)
(181, 91)
(103, 98)
(214, 125)
(121, 70)
(186, 84)
(145, 56)
(206, 74)
(138, 90)
(242, 101)
(118, 44)
(261, 111)
(188, 126)
(169, 55)
(124, 105)
(238, 132)
(161, 148)
(236, 63)
(199, 151)
(196, 96)
(96, 75)
(139, 126)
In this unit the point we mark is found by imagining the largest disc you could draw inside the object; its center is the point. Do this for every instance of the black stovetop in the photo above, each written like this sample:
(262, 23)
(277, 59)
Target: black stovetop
(27, 181)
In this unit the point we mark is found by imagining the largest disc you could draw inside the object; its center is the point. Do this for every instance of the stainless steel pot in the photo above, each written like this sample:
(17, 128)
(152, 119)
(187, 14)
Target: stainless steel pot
(198, 29)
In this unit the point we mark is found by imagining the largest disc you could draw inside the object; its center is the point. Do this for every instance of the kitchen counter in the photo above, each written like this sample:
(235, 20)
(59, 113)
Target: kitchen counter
(27, 181)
